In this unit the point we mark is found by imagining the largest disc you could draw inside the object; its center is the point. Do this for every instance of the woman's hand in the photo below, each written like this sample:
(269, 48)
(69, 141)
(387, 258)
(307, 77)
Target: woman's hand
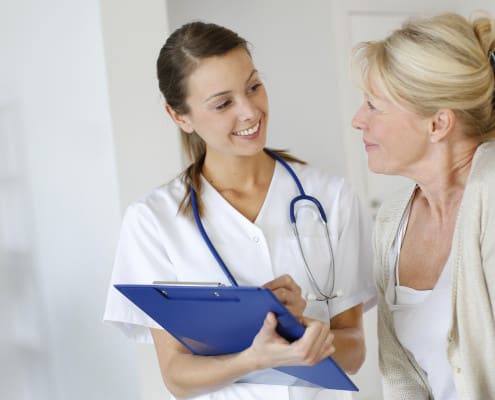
(270, 350)
(288, 293)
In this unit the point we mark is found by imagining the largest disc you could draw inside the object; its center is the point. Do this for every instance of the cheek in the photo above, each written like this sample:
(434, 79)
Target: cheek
(213, 122)
(261, 100)
(380, 132)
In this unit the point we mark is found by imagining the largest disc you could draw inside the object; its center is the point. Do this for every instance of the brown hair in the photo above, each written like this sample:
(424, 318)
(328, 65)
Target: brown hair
(178, 58)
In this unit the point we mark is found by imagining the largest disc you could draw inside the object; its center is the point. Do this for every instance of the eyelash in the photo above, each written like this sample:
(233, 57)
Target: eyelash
(255, 87)
(227, 103)
(224, 105)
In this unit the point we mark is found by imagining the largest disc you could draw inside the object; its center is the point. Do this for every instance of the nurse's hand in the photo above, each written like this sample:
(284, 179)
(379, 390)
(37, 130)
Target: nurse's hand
(288, 293)
(270, 350)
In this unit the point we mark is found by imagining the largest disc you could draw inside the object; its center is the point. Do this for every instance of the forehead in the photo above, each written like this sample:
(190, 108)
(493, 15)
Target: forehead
(219, 74)
(377, 90)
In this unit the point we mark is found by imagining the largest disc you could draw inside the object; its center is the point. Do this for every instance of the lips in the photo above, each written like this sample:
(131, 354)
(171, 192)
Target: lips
(369, 146)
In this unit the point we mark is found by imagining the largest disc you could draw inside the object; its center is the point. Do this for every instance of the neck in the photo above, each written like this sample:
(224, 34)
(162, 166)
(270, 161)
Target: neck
(240, 173)
(443, 178)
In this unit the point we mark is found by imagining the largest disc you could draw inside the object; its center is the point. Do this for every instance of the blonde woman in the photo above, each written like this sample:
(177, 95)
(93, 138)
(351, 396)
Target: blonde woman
(428, 115)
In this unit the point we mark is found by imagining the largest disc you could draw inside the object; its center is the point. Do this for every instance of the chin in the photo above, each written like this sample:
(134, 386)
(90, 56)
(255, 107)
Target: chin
(250, 152)
(377, 169)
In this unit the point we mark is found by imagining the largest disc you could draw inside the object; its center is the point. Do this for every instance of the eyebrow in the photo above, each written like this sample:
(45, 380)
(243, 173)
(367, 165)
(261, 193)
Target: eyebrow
(254, 71)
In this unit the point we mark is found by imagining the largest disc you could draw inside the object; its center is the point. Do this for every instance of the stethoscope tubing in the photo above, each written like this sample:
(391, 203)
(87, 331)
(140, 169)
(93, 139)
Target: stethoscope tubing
(302, 196)
(226, 271)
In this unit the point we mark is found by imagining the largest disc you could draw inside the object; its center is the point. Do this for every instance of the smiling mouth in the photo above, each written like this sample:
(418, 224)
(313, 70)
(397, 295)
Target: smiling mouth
(249, 131)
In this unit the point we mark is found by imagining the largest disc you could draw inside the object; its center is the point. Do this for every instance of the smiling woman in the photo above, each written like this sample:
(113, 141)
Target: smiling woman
(231, 122)
(234, 199)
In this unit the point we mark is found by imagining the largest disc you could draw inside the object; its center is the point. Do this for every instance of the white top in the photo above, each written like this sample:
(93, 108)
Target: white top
(158, 244)
(421, 320)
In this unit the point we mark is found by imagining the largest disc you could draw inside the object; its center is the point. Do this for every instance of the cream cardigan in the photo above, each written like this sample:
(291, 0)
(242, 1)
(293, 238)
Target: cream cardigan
(471, 340)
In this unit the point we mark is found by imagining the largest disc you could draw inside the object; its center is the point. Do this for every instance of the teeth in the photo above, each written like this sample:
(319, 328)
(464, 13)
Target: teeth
(247, 132)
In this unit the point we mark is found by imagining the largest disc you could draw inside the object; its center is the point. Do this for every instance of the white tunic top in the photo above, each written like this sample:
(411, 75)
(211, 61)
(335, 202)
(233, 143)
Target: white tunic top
(421, 320)
(158, 244)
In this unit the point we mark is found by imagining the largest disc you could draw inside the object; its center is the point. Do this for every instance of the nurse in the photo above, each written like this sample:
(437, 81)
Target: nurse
(240, 194)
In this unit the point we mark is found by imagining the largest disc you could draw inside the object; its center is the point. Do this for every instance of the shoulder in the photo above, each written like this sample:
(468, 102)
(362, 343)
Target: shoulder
(393, 206)
(317, 179)
(158, 203)
(476, 210)
(341, 203)
(483, 167)
(479, 193)
(389, 215)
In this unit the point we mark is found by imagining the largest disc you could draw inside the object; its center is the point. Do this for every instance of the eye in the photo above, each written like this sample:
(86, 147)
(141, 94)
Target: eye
(370, 105)
(253, 88)
(223, 105)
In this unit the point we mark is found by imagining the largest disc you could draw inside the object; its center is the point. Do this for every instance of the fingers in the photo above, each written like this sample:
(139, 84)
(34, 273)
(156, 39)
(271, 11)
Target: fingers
(284, 281)
(316, 343)
(270, 350)
(270, 323)
(288, 293)
(293, 302)
(268, 330)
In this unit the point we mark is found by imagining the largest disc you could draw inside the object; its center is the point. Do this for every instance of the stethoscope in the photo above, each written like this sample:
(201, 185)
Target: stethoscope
(321, 295)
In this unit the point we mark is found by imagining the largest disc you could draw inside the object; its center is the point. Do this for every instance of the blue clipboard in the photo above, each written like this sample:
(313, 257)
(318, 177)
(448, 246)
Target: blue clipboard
(214, 320)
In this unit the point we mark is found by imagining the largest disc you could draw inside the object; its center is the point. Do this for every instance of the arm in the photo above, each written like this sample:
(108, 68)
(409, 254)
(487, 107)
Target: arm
(187, 375)
(350, 226)
(350, 349)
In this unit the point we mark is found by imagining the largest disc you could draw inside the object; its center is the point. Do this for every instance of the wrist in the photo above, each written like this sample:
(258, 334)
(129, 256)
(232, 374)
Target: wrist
(250, 360)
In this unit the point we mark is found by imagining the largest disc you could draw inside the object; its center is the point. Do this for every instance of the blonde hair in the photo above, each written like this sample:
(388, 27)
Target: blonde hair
(432, 63)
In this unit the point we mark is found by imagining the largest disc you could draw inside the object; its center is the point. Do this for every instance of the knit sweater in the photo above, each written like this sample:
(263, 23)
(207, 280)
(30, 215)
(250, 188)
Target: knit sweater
(470, 343)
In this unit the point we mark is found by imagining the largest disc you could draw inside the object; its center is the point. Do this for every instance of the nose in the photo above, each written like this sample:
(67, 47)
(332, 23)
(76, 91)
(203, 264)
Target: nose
(358, 119)
(246, 109)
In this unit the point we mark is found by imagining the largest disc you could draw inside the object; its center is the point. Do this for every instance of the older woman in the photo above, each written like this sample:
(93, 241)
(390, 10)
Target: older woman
(428, 115)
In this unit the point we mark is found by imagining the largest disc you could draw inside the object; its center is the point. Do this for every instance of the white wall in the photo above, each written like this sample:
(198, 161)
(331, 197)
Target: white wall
(147, 148)
(52, 76)
(470, 6)
(146, 141)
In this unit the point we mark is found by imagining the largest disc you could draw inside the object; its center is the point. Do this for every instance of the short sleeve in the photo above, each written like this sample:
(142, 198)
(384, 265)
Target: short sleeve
(353, 255)
(141, 258)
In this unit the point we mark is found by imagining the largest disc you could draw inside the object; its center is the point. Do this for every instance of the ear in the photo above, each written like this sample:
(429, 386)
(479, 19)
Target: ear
(181, 120)
(441, 125)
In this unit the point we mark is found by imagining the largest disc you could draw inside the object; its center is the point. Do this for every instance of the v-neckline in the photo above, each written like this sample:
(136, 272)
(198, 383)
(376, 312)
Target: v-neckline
(232, 209)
